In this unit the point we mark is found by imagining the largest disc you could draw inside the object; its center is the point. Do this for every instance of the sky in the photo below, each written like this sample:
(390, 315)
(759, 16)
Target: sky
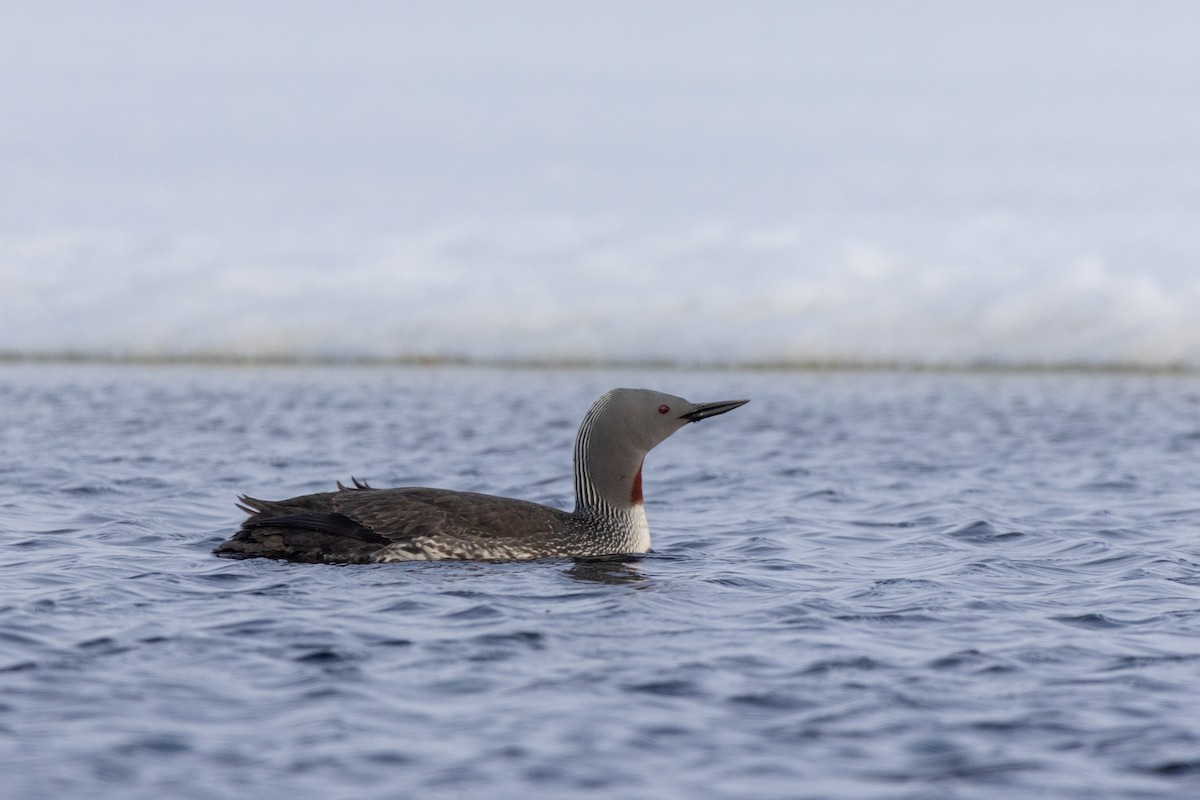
(918, 182)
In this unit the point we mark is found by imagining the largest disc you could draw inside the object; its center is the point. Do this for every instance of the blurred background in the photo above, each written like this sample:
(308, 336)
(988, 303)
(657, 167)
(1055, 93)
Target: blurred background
(801, 182)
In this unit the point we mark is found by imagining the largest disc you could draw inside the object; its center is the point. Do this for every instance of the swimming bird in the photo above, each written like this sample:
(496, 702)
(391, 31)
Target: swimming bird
(362, 524)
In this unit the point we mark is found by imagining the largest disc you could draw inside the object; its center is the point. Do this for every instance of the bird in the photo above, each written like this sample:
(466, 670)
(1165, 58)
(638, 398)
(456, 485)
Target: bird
(362, 524)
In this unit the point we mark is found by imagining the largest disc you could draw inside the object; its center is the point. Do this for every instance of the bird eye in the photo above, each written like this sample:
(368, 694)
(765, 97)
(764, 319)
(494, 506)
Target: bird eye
(664, 408)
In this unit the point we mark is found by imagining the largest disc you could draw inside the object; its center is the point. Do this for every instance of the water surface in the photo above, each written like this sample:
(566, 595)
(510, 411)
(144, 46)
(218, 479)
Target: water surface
(880, 585)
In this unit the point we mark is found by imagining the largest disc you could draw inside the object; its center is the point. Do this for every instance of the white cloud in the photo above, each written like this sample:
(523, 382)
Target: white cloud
(787, 181)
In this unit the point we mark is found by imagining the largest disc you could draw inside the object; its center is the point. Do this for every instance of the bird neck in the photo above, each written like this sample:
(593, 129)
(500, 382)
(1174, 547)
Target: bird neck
(608, 474)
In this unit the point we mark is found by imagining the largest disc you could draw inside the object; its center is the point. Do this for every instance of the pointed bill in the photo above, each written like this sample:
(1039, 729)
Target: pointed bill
(705, 410)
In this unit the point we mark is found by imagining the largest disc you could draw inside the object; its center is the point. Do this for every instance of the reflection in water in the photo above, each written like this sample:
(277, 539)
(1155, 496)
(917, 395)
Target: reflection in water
(606, 569)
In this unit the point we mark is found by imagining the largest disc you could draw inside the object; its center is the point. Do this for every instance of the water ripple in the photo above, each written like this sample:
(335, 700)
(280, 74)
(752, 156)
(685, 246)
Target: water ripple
(863, 585)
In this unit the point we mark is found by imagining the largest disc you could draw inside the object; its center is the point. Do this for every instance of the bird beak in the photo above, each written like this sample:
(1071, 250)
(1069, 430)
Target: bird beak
(706, 410)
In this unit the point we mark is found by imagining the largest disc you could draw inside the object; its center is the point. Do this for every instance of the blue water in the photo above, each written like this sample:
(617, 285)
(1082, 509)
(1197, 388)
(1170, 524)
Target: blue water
(884, 585)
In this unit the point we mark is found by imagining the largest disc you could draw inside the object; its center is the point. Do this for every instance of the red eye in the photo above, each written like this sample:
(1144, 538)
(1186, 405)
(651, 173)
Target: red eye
(664, 408)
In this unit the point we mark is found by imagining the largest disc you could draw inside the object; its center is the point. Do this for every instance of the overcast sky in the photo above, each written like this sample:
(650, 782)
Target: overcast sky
(927, 181)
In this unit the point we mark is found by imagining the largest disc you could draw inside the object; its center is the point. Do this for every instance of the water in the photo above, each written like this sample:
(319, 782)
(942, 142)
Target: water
(880, 585)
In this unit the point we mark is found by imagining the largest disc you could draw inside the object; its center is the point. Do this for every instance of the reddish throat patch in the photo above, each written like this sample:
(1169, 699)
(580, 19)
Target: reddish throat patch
(635, 494)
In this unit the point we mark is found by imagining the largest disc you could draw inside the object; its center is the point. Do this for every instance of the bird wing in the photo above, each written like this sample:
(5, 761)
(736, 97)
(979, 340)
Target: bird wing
(355, 524)
(401, 515)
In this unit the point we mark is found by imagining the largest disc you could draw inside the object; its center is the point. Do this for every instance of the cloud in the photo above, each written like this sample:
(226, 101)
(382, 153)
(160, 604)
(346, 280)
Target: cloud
(558, 289)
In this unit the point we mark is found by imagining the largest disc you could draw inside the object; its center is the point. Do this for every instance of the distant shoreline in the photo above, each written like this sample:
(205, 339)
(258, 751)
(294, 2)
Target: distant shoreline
(428, 360)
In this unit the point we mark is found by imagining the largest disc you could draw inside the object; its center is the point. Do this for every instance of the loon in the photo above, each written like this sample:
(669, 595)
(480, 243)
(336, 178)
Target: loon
(362, 524)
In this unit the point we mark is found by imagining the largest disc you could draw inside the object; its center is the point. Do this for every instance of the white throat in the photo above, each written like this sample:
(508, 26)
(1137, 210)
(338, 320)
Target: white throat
(641, 527)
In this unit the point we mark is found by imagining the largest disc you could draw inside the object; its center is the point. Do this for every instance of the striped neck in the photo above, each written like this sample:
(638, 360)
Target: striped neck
(608, 468)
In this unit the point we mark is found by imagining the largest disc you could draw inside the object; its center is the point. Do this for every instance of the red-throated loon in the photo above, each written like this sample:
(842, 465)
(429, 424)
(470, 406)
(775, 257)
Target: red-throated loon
(361, 524)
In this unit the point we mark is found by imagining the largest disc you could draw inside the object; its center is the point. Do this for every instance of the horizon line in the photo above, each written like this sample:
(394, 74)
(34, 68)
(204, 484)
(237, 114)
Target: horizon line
(201, 358)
